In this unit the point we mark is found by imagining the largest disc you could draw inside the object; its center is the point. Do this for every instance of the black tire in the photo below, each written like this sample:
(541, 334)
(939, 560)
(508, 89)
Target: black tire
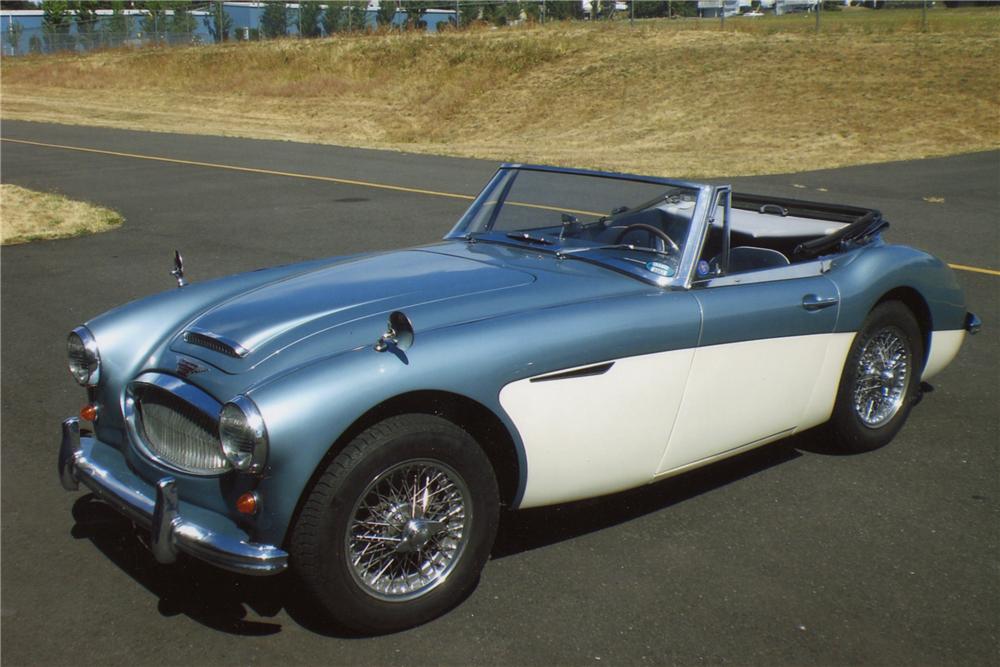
(876, 394)
(348, 517)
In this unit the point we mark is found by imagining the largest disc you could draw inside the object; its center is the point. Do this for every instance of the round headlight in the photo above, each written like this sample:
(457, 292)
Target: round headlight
(84, 359)
(243, 434)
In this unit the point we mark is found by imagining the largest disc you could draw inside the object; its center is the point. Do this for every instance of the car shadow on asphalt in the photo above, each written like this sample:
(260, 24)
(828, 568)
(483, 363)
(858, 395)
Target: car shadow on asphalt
(224, 601)
(213, 597)
(534, 528)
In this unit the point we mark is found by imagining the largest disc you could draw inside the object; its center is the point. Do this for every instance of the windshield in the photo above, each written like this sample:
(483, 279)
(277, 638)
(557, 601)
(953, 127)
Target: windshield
(628, 223)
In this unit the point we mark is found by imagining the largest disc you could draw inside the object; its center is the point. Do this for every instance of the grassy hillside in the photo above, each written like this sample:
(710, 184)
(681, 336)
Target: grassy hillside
(682, 98)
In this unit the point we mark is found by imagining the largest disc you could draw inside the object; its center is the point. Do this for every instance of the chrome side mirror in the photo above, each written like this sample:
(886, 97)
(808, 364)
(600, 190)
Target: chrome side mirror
(398, 333)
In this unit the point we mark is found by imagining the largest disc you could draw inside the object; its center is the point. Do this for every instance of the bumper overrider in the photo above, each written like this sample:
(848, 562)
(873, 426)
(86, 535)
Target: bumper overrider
(157, 508)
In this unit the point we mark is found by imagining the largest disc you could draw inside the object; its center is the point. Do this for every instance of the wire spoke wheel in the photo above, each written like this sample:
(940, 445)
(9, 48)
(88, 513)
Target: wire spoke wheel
(398, 527)
(408, 530)
(882, 378)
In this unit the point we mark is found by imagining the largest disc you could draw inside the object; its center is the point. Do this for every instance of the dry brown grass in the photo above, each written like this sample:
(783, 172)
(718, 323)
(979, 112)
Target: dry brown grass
(26, 215)
(680, 98)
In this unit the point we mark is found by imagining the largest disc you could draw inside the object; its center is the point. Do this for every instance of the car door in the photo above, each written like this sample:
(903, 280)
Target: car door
(761, 369)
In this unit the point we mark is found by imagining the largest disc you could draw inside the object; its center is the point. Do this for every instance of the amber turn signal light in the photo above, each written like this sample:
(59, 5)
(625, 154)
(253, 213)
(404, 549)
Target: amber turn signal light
(88, 413)
(247, 503)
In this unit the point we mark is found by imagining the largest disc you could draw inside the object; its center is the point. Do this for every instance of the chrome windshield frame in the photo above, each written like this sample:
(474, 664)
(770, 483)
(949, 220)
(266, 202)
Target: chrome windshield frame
(500, 183)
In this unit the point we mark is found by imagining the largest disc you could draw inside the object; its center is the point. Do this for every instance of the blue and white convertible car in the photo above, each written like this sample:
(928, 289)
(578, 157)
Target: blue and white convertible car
(362, 420)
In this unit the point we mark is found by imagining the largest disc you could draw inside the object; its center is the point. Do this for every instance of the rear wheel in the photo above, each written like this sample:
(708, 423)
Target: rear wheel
(398, 527)
(880, 381)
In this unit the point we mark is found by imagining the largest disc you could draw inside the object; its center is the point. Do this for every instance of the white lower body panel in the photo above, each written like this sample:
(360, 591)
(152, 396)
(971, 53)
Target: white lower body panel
(662, 413)
(755, 392)
(588, 436)
(944, 347)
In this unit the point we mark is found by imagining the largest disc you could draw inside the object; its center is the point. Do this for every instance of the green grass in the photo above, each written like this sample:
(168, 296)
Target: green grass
(26, 215)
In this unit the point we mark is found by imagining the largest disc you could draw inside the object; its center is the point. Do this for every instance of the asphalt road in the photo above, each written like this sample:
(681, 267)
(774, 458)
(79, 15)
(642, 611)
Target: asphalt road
(786, 555)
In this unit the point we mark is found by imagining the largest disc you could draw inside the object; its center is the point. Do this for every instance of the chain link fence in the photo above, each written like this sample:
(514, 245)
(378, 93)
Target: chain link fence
(47, 31)
(40, 31)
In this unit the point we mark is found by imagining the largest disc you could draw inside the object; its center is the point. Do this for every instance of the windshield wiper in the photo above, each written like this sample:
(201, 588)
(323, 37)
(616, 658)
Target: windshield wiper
(562, 254)
(525, 236)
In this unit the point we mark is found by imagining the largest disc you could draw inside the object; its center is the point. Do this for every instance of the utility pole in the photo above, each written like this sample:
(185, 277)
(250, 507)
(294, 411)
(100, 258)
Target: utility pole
(923, 16)
(458, 14)
(819, 8)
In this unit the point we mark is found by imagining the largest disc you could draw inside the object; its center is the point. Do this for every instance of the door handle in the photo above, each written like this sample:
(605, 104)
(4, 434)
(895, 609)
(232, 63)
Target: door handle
(816, 302)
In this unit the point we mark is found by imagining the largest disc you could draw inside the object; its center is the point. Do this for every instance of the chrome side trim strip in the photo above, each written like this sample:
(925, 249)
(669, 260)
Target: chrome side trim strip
(171, 532)
(598, 369)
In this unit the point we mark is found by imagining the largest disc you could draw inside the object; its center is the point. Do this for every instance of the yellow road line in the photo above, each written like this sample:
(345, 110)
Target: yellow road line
(346, 181)
(251, 170)
(975, 269)
(290, 174)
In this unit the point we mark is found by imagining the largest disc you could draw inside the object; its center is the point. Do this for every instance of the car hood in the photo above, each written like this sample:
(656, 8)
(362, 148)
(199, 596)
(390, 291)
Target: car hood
(244, 331)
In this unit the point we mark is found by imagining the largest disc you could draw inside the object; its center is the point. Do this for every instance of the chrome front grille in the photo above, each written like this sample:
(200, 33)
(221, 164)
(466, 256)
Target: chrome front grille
(174, 430)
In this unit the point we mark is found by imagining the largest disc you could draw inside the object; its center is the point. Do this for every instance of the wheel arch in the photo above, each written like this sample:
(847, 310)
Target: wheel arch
(917, 305)
(470, 415)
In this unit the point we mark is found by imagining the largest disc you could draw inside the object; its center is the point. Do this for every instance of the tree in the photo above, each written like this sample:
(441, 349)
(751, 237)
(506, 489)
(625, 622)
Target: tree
(468, 13)
(356, 16)
(154, 23)
(332, 17)
(532, 10)
(508, 12)
(182, 23)
(55, 25)
(309, 15)
(563, 10)
(119, 25)
(386, 12)
(274, 20)
(88, 24)
(218, 22)
(415, 10)
(344, 16)
(34, 44)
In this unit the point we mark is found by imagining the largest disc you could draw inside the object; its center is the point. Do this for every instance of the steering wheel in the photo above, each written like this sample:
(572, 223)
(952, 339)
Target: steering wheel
(655, 231)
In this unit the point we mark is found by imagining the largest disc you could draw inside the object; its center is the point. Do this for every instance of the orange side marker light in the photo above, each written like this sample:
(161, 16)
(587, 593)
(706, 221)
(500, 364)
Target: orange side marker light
(247, 503)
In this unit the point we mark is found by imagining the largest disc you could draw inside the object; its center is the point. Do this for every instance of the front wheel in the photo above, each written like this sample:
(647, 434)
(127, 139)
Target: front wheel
(880, 381)
(398, 527)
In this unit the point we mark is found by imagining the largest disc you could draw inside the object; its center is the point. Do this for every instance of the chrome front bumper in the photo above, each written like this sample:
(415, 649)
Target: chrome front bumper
(157, 508)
